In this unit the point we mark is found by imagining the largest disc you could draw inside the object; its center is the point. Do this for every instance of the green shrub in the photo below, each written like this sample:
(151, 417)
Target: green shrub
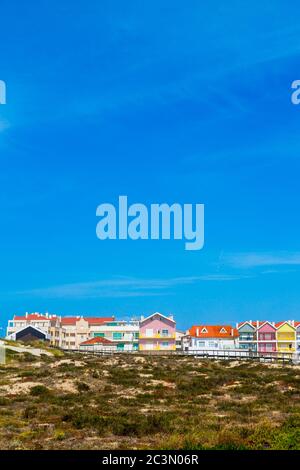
(39, 391)
(82, 387)
(30, 412)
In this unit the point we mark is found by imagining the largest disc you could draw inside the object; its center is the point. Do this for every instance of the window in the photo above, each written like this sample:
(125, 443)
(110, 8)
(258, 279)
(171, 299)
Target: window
(165, 332)
(117, 336)
(120, 347)
(165, 344)
(201, 344)
(99, 335)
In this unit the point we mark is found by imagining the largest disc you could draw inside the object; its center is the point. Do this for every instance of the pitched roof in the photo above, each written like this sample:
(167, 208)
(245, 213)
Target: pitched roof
(161, 315)
(281, 323)
(30, 327)
(252, 323)
(261, 324)
(213, 331)
(96, 340)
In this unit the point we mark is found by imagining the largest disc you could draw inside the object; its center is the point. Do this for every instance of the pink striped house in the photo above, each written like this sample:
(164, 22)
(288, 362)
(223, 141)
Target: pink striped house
(266, 337)
(157, 333)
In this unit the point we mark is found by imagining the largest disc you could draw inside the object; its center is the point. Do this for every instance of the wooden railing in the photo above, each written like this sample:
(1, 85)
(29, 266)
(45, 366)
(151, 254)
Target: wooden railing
(218, 354)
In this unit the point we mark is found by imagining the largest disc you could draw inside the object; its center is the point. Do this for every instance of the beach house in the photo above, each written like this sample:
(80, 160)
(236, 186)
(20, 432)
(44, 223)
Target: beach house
(210, 337)
(157, 333)
(286, 336)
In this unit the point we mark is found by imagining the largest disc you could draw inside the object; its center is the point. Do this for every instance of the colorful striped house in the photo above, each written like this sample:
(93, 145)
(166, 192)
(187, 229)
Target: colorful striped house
(266, 337)
(247, 335)
(157, 333)
(286, 336)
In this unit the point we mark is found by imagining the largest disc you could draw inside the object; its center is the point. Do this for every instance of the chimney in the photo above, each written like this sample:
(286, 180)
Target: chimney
(197, 331)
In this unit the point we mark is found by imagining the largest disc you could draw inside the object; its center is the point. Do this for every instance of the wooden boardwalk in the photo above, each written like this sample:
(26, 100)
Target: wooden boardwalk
(211, 354)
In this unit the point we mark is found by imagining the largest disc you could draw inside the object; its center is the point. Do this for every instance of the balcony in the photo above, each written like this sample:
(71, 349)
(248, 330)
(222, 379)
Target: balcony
(159, 336)
(266, 337)
(158, 347)
(285, 337)
(286, 349)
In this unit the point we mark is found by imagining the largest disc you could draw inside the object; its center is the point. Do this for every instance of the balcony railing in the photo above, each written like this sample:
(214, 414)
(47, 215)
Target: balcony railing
(158, 347)
(159, 336)
(281, 349)
(285, 337)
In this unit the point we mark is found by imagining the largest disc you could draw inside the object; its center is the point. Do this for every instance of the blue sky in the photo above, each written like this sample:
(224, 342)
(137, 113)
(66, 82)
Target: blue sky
(164, 102)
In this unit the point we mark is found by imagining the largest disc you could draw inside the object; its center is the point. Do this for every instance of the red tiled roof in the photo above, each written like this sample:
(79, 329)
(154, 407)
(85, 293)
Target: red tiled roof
(98, 320)
(69, 320)
(283, 322)
(31, 316)
(261, 322)
(90, 320)
(96, 340)
(213, 331)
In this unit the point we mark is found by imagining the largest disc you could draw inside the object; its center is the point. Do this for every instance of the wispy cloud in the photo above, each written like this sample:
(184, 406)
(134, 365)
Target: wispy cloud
(123, 287)
(253, 260)
(4, 124)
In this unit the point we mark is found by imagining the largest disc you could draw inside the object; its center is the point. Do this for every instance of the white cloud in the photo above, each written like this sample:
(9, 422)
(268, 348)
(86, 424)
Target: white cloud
(122, 287)
(253, 260)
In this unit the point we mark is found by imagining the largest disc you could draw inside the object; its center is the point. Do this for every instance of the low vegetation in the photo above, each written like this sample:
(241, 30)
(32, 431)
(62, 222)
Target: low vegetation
(135, 401)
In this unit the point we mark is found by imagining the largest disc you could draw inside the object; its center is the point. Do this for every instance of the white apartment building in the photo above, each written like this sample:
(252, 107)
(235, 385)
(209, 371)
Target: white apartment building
(124, 334)
(39, 322)
(70, 332)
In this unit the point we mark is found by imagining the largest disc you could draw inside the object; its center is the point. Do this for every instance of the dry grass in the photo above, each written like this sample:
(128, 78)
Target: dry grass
(133, 402)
